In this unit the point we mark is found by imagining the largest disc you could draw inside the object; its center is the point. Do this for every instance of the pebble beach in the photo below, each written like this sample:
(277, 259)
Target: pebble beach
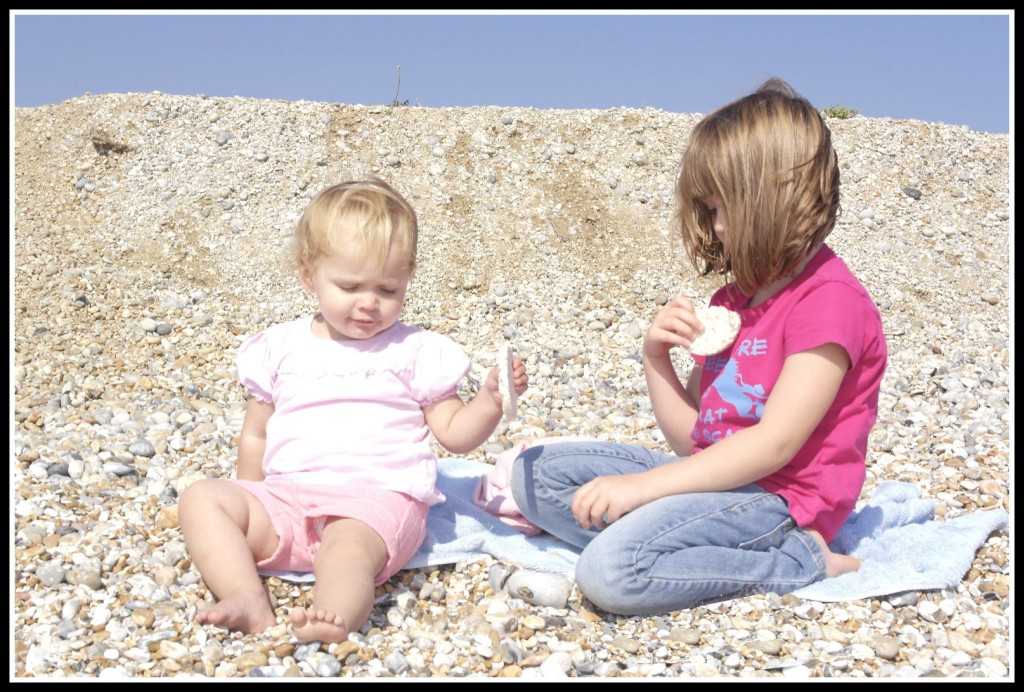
(148, 232)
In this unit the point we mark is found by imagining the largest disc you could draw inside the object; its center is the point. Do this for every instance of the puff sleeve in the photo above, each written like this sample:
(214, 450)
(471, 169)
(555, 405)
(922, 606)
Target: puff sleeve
(255, 369)
(438, 367)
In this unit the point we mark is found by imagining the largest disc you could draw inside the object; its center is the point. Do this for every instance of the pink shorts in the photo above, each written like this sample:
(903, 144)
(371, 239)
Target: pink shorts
(300, 510)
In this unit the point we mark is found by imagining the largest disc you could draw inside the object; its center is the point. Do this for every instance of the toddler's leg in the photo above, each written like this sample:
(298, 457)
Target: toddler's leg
(350, 556)
(227, 531)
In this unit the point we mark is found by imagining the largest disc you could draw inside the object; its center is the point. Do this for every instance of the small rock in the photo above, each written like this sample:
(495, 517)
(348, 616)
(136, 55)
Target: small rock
(539, 588)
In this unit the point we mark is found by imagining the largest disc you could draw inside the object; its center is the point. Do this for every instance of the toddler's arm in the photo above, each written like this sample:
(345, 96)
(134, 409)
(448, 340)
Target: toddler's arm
(252, 441)
(462, 427)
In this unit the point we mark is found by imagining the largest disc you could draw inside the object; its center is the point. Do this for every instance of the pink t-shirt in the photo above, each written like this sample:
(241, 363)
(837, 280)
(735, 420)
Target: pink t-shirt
(824, 304)
(352, 408)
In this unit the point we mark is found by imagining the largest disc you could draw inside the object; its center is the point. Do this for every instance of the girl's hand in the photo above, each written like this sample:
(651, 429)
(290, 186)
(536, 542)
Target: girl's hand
(606, 499)
(676, 324)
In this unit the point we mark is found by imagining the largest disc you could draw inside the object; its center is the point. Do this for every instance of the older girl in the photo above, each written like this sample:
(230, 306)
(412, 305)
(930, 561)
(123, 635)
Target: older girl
(769, 436)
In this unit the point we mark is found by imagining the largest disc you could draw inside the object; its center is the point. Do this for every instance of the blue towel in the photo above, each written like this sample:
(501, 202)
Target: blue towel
(901, 547)
(460, 530)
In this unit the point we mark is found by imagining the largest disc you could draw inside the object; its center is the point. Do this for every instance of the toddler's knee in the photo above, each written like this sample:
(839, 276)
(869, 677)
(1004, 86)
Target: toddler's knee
(196, 496)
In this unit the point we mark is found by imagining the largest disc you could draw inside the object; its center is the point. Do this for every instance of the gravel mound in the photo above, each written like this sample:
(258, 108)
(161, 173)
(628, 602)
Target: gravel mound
(148, 231)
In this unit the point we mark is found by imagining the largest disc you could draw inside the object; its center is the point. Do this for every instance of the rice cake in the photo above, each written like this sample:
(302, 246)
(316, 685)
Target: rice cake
(721, 326)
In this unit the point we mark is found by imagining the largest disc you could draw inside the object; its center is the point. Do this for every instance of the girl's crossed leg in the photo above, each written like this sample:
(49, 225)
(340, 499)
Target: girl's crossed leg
(674, 553)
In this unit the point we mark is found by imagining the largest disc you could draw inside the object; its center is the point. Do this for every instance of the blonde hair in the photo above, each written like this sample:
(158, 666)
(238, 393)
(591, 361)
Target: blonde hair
(371, 209)
(769, 158)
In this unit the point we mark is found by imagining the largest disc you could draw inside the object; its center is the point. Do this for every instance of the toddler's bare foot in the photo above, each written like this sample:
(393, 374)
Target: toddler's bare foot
(318, 625)
(239, 614)
(835, 563)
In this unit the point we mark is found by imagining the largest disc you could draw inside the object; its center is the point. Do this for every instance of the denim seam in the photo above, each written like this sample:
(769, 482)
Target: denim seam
(801, 535)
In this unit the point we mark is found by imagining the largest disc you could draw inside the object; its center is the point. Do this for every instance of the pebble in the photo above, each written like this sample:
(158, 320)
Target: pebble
(539, 588)
(137, 278)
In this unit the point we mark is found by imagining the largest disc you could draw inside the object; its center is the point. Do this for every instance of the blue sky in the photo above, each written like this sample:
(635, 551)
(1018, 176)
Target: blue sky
(952, 68)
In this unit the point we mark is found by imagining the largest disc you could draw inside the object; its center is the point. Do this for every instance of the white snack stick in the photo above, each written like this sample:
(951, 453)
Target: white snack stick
(720, 329)
(507, 383)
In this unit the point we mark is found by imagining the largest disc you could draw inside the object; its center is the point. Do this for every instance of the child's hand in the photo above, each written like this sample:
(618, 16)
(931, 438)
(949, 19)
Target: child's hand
(676, 324)
(606, 499)
(519, 375)
(490, 387)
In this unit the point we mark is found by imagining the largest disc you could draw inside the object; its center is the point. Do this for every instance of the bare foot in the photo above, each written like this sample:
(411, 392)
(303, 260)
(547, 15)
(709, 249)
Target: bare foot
(835, 563)
(318, 625)
(239, 614)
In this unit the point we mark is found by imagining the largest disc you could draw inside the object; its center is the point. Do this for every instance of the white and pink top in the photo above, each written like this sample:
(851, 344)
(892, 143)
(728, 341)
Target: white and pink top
(352, 408)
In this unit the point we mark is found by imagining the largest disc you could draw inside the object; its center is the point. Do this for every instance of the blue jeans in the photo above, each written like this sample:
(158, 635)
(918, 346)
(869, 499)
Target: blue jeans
(674, 553)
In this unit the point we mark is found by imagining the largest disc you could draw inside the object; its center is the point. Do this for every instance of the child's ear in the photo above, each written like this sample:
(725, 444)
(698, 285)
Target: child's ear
(306, 276)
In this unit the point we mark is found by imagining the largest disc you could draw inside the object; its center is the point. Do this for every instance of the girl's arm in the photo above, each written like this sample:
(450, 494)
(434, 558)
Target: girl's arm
(460, 427)
(800, 399)
(675, 407)
(252, 441)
